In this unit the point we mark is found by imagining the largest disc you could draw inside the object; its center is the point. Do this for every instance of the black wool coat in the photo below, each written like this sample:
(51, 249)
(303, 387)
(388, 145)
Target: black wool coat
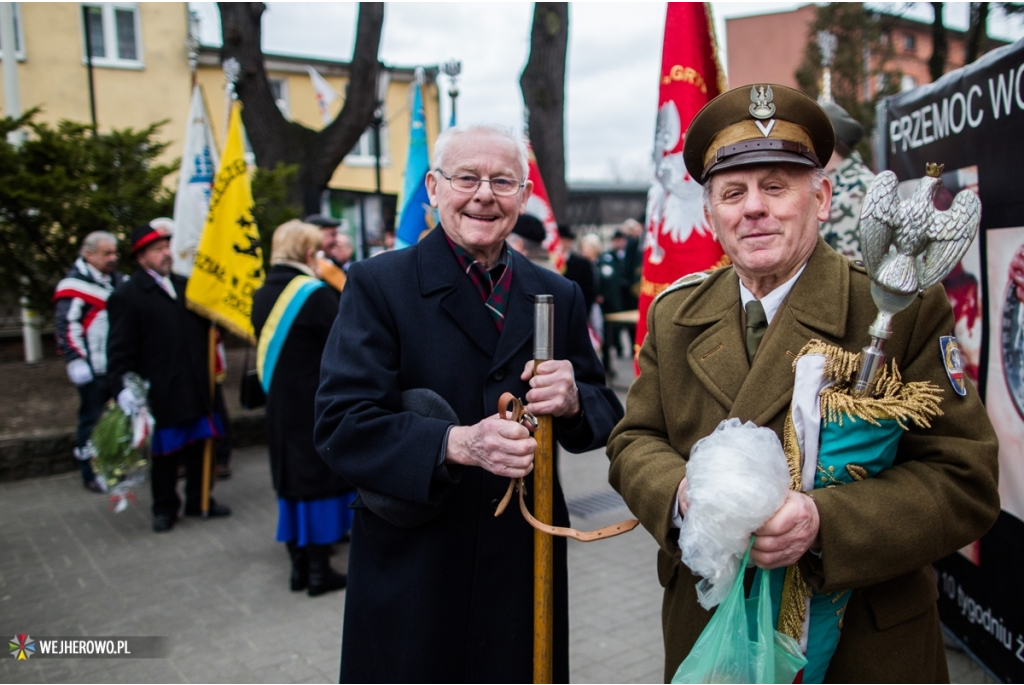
(449, 600)
(157, 337)
(297, 470)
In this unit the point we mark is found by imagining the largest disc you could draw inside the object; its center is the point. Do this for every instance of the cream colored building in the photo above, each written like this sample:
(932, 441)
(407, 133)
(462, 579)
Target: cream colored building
(141, 74)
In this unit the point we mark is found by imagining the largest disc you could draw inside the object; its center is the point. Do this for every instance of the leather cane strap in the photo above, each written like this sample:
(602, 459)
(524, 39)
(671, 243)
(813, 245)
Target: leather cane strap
(510, 408)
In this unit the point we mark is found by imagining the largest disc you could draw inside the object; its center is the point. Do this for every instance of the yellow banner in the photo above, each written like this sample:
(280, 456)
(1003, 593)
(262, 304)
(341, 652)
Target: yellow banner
(229, 262)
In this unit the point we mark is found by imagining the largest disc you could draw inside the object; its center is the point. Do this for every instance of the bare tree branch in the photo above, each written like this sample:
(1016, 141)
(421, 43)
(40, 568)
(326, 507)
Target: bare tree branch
(274, 139)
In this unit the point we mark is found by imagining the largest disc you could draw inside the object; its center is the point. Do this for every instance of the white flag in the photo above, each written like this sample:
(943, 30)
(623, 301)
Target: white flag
(325, 94)
(198, 166)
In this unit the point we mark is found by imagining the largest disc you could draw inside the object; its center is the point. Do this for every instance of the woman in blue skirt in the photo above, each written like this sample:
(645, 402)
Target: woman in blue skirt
(292, 315)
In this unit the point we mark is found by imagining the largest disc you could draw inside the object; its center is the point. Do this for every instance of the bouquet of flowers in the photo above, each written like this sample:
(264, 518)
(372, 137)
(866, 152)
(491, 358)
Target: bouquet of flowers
(120, 443)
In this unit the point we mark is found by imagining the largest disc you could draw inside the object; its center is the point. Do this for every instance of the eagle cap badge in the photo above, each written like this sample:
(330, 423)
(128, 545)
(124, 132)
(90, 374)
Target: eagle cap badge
(762, 106)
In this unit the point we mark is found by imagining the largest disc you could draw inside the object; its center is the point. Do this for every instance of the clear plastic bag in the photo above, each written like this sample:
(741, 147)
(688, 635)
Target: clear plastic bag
(739, 644)
(736, 479)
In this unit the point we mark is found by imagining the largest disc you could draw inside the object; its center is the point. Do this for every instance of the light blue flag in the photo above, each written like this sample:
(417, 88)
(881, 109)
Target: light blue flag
(413, 218)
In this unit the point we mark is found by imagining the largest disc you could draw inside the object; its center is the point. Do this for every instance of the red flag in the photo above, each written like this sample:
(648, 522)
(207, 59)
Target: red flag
(678, 241)
(540, 207)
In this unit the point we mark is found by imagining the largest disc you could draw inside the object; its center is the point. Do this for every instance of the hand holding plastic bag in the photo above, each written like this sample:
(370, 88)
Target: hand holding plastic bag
(739, 644)
(737, 478)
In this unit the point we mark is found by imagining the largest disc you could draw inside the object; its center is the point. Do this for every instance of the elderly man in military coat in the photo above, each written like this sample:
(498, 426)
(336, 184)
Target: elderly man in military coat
(759, 157)
(446, 595)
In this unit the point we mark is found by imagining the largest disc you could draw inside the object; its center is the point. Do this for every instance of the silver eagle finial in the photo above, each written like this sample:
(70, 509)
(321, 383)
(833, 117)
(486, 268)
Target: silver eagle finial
(908, 246)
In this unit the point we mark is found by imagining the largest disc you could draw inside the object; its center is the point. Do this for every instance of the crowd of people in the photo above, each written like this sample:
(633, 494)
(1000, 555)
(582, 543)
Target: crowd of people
(381, 401)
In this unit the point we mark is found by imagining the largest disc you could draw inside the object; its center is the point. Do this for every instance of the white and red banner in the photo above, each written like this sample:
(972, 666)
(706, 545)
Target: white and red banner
(677, 241)
(325, 94)
(539, 206)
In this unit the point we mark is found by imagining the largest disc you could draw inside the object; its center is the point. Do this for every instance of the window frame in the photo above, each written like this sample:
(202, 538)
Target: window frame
(111, 45)
(19, 34)
(282, 102)
(358, 157)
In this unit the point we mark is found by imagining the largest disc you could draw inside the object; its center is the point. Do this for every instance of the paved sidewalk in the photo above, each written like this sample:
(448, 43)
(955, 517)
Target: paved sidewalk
(218, 589)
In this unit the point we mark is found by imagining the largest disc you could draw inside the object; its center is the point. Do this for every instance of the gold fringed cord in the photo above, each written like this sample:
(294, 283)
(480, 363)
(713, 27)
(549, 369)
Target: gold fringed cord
(916, 402)
(791, 448)
(793, 607)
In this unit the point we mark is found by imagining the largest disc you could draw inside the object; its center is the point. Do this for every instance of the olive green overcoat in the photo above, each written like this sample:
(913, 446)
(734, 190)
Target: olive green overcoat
(878, 536)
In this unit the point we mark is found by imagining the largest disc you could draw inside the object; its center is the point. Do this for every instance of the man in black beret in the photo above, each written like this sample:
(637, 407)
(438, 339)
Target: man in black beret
(721, 345)
(155, 335)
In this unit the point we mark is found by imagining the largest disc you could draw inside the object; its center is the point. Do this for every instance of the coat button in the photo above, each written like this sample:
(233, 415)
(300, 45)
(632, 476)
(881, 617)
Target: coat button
(498, 375)
(494, 504)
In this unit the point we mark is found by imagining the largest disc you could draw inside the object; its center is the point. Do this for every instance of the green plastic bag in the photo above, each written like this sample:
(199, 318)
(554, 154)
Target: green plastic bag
(739, 643)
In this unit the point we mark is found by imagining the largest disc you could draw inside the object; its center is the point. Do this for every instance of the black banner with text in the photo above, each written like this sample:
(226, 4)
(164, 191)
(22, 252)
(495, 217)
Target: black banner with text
(972, 121)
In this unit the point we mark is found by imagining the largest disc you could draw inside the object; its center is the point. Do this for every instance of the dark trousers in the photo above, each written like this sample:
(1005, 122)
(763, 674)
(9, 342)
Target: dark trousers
(164, 479)
(94, 396)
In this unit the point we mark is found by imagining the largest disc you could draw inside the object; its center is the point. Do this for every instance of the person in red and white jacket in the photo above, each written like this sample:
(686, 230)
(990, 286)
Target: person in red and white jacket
(81, 329)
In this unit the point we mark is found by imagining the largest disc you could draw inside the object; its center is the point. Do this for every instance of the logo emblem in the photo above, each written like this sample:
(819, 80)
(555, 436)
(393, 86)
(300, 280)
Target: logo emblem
(761, 102)
(22, 647)
(954, 364)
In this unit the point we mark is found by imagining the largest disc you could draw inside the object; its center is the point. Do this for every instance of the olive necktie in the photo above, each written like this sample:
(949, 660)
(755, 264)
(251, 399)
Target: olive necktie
(757, 323)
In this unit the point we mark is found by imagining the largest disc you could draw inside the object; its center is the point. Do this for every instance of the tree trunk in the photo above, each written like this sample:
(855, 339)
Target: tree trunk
(543, 86)
(977, 31)
(940, 49)
(274, 139)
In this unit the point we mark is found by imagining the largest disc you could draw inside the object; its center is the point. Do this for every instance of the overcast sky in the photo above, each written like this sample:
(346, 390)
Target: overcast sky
(613, 64)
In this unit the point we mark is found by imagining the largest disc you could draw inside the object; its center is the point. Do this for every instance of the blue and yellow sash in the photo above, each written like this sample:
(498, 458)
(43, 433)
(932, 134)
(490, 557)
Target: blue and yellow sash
(275, 330)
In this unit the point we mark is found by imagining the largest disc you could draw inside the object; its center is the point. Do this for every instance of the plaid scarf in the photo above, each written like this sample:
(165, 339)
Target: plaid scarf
(492, 285)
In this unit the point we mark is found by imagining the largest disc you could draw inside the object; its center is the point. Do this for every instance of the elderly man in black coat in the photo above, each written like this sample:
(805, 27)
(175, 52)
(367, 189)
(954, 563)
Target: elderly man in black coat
(155, 335)
(448, 597)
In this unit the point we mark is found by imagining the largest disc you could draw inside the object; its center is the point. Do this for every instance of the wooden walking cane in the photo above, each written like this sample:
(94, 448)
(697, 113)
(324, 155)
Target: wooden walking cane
(543, 503)
(211, 365)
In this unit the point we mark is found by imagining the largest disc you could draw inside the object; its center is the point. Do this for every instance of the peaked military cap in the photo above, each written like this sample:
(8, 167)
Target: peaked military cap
(760, 124)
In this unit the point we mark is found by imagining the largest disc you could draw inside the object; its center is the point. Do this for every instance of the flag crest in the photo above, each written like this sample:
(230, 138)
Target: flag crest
(229, 259)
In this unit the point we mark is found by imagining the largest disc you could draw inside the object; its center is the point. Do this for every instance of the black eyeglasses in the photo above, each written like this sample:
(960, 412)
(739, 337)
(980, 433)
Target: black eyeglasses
(468, 183)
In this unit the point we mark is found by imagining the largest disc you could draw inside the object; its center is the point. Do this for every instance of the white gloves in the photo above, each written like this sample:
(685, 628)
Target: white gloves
(79, 371)
(129, 402)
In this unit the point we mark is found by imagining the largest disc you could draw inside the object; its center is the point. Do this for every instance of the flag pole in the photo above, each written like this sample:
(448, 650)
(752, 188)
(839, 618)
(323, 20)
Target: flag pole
(543, 503)
(211, 367)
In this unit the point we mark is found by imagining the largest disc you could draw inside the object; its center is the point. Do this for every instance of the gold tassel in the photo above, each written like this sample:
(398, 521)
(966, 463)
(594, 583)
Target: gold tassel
(793, 605)
(916, 402)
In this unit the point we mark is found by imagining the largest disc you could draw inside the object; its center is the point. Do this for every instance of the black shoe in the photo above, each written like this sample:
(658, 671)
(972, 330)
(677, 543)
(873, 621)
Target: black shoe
(323, 578)
(216, 510)
(162, 523)
(94, 486)
(300, 567)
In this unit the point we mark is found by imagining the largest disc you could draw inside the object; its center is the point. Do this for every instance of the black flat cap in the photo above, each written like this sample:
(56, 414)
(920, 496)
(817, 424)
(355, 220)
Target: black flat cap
(322, 221)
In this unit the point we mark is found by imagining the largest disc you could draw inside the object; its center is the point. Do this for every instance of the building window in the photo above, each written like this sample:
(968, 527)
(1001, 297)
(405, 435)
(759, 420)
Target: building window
(909, 42)
(907, 82)
(19, 35)
(112, 35)
(365, 153)
(279, 89)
